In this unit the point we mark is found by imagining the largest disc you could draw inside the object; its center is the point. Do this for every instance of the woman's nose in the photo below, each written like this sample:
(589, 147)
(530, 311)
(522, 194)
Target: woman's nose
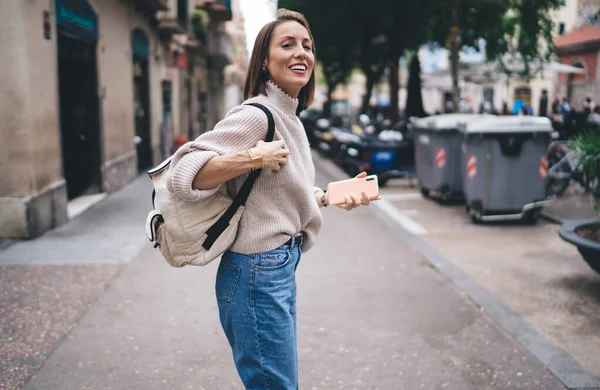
(299, 52)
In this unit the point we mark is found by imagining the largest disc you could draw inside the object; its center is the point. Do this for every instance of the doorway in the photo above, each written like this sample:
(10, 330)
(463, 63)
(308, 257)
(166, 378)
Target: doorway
(79, 116)
(79, 105)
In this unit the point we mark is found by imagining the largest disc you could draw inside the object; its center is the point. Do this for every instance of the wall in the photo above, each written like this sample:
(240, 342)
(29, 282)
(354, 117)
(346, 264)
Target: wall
(590, 61)
(32, 191)
(28, 102)
(567, 14)
(115, 77)
(584, 85)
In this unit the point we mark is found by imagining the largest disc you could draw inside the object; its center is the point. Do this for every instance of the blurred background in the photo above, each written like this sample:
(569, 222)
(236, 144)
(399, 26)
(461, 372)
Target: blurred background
(110, 88)
(479, 117)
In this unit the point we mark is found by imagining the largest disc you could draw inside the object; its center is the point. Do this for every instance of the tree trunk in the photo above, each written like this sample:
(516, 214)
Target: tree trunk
(394, 88)
(372, 77)
(327, 104)
(454, 37)
(367, 96)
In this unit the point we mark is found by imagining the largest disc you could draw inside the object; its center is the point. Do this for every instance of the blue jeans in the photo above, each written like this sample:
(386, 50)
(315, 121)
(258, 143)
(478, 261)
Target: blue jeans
(256, 295)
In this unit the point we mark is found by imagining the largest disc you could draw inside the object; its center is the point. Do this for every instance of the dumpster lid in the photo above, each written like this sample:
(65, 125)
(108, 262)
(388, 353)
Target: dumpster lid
(445, 121)
(509, 124)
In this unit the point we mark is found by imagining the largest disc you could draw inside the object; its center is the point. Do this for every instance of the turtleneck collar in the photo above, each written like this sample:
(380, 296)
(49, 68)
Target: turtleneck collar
(283, 101)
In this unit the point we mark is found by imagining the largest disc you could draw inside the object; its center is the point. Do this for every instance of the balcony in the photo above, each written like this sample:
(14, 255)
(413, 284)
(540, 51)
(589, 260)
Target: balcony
(219, 10)
(150, 7)
(168, 24)
(220, 48)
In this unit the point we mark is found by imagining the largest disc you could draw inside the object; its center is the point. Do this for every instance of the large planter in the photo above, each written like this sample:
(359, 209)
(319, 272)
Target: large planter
(590, 250)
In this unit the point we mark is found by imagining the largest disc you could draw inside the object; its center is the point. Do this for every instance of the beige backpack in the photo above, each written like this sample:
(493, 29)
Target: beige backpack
(196, 232)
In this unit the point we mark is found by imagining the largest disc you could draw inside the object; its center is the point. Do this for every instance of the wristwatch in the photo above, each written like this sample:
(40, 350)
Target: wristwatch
(324, 199)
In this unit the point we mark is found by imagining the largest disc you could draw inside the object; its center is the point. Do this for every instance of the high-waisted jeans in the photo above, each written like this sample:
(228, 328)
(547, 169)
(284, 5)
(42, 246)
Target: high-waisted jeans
(256, 295)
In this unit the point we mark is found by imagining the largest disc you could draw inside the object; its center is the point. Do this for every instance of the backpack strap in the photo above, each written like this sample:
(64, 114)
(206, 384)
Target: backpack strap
(213, 233)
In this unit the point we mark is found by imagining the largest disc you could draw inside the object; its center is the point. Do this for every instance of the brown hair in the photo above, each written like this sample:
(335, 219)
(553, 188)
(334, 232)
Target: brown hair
(256, 78)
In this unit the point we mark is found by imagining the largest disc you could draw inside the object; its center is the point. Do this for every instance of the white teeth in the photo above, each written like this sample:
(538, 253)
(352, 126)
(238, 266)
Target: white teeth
(298, 67)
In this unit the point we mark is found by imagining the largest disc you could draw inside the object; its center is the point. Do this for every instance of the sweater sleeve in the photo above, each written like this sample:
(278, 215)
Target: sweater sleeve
(241, 129)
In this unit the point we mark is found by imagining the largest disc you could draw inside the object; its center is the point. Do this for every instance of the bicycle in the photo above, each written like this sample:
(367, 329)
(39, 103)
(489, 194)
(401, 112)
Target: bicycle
(563, 164)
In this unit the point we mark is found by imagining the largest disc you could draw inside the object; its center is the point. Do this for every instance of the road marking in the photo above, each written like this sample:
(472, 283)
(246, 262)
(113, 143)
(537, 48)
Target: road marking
(409, 212)
(405, 221)
(405, 196)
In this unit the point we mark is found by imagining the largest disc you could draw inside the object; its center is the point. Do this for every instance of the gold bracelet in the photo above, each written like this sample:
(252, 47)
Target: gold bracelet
(256, 157)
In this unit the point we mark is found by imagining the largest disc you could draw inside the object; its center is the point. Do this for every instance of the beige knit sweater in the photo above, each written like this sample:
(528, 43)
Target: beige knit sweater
(281, 203)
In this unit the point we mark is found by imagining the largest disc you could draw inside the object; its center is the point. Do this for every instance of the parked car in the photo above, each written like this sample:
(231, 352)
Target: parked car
(386, 151)
(309, 119)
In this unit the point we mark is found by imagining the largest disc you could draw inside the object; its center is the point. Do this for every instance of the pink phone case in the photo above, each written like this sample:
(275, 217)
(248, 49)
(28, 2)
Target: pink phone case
(338, 189)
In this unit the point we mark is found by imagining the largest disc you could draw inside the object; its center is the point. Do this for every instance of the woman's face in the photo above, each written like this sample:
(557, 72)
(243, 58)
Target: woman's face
(291, 60)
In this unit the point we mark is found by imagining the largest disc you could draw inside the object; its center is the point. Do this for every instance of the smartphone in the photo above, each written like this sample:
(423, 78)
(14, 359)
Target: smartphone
(338, 189)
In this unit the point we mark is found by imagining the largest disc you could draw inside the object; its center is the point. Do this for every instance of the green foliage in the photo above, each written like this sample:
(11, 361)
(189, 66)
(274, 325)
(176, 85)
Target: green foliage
(335, 36)
(510, 28)
(588, 145)
(374, 35)
(200, 20)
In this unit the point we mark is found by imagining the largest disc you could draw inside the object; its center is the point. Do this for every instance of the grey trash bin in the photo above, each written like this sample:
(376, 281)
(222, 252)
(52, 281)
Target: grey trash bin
(437, 154)
(504, 165)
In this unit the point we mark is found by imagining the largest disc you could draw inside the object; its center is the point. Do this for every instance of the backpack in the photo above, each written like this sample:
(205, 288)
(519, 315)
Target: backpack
(196, 232)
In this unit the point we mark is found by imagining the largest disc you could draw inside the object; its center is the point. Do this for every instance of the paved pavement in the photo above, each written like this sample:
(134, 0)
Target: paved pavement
(372, 313)
(574, 204)
(528, 269)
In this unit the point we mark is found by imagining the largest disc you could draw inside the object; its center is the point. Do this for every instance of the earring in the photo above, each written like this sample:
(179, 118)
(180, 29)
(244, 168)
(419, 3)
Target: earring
(264, 69)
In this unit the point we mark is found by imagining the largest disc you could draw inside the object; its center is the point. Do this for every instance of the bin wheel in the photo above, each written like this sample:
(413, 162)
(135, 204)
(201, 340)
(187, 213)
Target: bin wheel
(532, 216)
(475, 215)
(425, 192)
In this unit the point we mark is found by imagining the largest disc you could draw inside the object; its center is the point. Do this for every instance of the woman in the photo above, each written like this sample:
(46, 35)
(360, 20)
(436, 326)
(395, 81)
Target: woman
(255, 286)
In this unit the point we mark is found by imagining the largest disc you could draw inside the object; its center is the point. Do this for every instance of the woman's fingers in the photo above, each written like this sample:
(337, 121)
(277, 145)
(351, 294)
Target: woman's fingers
(365, 199)
(355, 199)
(362, 174)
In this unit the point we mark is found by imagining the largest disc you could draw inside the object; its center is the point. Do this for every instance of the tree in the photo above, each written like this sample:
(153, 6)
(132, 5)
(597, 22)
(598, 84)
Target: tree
(335, 48)
(404, 23)
(414, 101)
(372, 36)
(510, 28)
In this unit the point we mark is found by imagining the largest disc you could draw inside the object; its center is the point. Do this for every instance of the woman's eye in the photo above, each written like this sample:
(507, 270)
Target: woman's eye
(286, 45)
(308, 48)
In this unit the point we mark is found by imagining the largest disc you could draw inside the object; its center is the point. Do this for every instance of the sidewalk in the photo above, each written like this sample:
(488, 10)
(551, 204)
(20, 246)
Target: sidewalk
(372, 313)
(574, 204)
(48, 284)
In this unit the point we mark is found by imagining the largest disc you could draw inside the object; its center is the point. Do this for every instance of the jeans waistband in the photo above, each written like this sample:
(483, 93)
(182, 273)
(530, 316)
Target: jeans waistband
(295, 240)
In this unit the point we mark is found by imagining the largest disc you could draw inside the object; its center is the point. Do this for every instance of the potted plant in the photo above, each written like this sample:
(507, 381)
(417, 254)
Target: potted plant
(585, 235)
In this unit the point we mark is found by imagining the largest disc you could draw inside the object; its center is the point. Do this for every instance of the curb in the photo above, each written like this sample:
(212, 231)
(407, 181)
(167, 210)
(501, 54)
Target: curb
(556, 360)
(551, 217)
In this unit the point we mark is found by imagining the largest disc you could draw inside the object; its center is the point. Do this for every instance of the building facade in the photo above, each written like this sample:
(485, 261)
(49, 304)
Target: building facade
(580, 47)
(92, 92)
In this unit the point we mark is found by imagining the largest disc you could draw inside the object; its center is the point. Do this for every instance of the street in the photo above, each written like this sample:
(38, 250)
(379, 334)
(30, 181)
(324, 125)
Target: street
(373, 311)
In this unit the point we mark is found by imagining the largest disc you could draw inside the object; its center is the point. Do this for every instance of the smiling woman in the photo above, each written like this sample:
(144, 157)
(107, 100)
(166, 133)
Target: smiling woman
(255, 284)
(279, 46)
(291, 58)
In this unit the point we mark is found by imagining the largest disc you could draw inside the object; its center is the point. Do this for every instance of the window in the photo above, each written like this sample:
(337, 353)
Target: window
(561, 28)
(563, 2)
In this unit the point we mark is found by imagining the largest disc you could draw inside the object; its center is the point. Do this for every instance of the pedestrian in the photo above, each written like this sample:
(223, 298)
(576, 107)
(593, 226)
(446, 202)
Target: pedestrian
(255, 284)
(543, 107)
(588, 106)
(556, 106)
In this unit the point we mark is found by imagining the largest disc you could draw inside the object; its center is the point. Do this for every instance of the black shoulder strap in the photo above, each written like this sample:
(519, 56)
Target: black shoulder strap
(213, 233)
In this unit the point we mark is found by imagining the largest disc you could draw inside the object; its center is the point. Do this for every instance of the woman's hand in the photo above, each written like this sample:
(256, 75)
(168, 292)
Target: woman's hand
(353, 200)
(274, 154)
